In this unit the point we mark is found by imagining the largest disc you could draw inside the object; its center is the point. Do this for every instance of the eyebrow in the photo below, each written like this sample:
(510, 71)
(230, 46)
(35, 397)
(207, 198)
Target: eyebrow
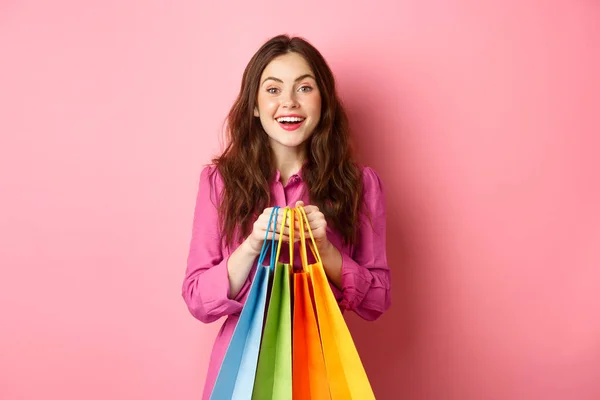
(296, 80)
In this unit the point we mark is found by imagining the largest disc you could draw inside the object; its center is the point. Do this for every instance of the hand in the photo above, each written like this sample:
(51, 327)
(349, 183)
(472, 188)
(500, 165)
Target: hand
(318, 226)
(256, 238)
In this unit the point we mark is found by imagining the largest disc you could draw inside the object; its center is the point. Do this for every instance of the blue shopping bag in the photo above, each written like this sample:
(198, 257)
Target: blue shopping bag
(238, 369)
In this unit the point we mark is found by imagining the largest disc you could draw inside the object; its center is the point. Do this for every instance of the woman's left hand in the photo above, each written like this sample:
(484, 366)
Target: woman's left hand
(318, 226)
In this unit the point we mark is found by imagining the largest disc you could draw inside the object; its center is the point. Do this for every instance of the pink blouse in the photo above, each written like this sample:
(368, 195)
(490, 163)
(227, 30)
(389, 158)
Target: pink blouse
(365, 272)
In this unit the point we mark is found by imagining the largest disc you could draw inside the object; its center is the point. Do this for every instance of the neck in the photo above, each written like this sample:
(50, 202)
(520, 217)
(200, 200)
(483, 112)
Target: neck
(288, 160)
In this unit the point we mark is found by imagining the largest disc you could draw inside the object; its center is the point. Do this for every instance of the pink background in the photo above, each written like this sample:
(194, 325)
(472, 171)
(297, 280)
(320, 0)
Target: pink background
(481, 118)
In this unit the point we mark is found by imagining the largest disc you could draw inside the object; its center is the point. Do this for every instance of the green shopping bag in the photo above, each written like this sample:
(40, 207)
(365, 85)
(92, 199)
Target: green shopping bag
(274, 372)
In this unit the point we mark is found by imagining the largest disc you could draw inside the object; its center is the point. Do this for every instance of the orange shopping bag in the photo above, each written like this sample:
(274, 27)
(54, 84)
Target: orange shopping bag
(309, 373)
(346, 375)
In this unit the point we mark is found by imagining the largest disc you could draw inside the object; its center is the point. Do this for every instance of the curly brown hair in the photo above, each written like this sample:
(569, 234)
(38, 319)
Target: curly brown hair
(333, 177)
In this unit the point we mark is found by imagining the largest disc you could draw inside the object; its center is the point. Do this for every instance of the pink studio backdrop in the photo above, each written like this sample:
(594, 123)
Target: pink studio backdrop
(481, 118)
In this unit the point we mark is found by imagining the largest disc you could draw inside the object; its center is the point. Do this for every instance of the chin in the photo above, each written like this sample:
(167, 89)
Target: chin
(290, 139)
(294, 143)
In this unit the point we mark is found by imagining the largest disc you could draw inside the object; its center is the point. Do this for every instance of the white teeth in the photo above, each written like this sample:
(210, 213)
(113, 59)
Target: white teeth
(290, 119)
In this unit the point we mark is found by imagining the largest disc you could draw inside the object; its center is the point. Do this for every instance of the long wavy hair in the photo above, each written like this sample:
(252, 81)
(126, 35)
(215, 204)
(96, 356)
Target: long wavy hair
(247, 167)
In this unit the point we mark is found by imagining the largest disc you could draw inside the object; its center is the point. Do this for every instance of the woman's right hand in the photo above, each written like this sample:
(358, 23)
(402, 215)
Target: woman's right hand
(259, 230)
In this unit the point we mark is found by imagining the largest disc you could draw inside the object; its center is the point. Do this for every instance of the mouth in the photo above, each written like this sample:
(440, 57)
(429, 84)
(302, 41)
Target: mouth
(290, 123)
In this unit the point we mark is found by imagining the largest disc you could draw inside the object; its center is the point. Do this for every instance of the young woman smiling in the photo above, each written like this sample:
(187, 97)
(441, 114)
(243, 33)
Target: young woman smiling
(288, 145)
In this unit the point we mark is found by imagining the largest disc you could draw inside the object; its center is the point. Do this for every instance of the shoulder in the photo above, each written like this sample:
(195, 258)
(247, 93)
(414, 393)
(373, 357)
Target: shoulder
(373, 199)
(210, 173)
(372, 183)
(211, 181)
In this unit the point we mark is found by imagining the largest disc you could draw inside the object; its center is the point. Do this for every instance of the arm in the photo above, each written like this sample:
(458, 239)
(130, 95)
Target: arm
(365, 275)
(209, 289)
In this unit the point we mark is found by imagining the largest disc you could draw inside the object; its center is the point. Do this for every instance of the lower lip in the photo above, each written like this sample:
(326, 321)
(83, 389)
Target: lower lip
(290, 127)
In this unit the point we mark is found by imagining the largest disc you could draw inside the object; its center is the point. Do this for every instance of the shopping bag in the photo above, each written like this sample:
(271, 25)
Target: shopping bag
(346, 375)
(309, 373)
(236, 376)
(274, 372)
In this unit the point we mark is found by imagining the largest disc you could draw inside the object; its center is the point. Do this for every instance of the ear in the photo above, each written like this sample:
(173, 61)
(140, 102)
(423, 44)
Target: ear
(256, 112)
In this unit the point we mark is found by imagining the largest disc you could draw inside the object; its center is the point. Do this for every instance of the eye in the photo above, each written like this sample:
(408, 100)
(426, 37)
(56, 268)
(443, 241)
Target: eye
(305, 88)
(272, 90)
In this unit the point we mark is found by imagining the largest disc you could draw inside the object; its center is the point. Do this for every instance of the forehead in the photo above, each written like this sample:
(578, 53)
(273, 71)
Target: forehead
(287, 67)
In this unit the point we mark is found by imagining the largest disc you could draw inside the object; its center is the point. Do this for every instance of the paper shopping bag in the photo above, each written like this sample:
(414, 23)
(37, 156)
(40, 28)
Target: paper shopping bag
(345, 372)
(274, 372)
(238, 369)
(309, 373)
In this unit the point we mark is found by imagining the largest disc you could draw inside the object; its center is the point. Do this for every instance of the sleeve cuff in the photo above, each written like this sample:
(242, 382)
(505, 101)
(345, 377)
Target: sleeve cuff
(213, 293)
(356, 282)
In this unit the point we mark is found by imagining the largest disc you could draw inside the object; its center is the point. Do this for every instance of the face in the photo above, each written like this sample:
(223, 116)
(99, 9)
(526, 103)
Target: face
(288, 101)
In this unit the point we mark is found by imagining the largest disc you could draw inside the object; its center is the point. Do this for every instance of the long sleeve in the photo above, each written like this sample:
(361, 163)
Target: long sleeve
(206, 284)
(366, 277)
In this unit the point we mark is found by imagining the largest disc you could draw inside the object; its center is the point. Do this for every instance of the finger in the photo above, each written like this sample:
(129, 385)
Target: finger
(283, 238)
(280, 224)
(318, 224)
(267, 212)
(316, 233)
(266, 217)
(286, 231)
(299, 203)
(313, 224)
(316, 218)
(276, 235)
(311, 210)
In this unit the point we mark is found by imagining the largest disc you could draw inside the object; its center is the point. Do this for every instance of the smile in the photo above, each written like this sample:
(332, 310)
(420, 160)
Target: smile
(290, 123)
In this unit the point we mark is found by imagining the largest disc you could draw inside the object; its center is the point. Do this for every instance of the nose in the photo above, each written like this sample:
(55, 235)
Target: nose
(289, 100)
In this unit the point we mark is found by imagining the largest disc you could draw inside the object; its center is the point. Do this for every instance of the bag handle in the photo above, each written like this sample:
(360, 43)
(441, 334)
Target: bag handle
(292, 223)
(312, 244)
(263, 250)
(286, 212)
(303, 256)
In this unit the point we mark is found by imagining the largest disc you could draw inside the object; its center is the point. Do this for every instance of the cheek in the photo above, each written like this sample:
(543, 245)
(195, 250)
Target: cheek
(267, 105)
(316, 108)
(315, 104)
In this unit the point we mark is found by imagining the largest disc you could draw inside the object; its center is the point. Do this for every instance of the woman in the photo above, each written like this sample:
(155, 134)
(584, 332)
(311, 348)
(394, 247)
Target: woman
(288, 145)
